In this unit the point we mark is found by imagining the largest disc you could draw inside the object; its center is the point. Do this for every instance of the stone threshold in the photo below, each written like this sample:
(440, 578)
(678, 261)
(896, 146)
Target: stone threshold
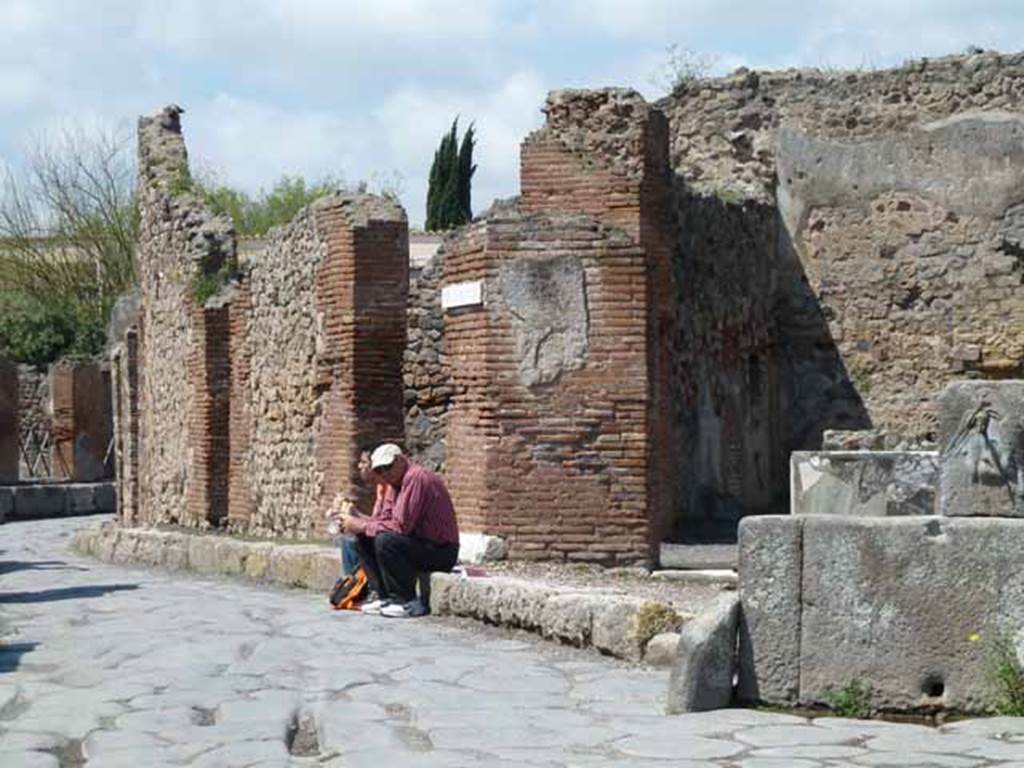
(622, 626)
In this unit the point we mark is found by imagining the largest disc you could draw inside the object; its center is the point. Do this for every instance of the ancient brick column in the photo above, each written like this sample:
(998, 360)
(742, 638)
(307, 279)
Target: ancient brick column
(557, 310)
(318, 329)
(81, 421)
(8, 422)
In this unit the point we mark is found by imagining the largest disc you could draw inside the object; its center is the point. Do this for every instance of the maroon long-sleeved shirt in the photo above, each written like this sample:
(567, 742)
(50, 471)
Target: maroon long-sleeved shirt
(422, 509)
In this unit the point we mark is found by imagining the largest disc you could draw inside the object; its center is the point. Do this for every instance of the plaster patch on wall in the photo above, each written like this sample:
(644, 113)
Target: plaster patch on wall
(547, 303)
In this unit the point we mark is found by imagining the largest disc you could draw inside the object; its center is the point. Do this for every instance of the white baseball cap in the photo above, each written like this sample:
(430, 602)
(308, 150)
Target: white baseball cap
(384, 455)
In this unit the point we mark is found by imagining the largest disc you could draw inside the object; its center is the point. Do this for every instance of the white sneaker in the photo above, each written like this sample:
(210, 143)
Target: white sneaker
(374, 606)
(407, 611)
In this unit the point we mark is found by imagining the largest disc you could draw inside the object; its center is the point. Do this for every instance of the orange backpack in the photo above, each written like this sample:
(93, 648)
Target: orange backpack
(349, 591)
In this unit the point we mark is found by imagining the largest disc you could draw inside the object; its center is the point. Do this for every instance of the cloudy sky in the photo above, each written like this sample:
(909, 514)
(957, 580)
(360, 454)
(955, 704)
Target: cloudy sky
(364, 88)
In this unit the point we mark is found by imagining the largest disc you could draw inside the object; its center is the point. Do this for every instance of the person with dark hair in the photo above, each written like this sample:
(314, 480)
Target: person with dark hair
(418, 534)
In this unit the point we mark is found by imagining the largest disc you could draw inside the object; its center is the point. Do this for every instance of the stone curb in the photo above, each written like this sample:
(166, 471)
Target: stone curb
(41, 501)
(618, 625)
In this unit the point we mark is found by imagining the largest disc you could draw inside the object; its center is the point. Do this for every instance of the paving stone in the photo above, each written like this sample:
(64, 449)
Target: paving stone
(216, 671)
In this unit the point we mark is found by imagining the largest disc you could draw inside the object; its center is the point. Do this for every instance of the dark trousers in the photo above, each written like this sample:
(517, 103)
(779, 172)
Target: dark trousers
(391, 562)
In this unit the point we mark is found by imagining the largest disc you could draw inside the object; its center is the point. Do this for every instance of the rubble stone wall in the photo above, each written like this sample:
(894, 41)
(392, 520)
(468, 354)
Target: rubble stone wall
(728, 449)
(317, 335)
(34, 412)
(898, 265)
(181, 245)
(427, 379)
(124, 379)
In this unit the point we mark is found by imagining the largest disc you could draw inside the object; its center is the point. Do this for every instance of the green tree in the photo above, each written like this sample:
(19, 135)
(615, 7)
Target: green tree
(68, 227)
(255, 215)
(449, 195)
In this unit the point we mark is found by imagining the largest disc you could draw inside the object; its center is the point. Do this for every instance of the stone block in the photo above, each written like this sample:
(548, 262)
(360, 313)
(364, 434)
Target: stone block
(661, 649)
(478, 548)
(705, 663)
(202, 554)
(441, 586)
(231, 556)
(81, 499)
(293, 565)
(872, 483)
(569, 618)
(325, 567)
(36, 502)
(981, 426)
(257, 560)
(894, 603)
(6, 503)
(84, 539)
(124, 551)
(150, 547)
(106, 497)
(770, 566)
(616, 629)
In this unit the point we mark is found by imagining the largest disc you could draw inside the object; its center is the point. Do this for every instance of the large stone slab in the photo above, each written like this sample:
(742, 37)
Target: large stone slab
(982, 437)
(770, 568)
(872, 483)
(702, 676)
(895, 603)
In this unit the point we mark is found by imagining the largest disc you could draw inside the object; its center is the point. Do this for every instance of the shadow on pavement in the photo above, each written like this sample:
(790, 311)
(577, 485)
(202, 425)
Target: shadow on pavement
(66, 593)
(38, 565)
(10, 655)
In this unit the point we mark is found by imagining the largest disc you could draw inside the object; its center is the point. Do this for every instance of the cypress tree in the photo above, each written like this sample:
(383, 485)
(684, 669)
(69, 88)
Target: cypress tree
(448, 192)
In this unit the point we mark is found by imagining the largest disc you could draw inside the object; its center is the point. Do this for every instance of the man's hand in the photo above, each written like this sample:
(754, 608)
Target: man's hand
(352, 524)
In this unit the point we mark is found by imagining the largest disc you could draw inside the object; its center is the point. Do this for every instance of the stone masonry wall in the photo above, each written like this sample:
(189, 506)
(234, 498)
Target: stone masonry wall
(180, 244)
(427, 379)
(728, 452)
(317, 335)
(897, 256)
(8, 422)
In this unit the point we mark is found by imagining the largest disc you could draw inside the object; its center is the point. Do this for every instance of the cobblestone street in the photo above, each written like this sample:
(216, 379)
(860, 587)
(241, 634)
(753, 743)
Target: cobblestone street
(108, 666)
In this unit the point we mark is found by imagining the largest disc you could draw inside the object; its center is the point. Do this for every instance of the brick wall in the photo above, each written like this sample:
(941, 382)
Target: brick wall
(81, 421)
(554, 438)
(8, 422)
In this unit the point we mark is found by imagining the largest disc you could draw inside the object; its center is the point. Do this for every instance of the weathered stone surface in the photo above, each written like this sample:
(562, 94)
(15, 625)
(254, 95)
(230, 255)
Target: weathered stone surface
(702, 676)
(32, 502)
(202, 555)
(6, 503)
(873, 483)
(893, 602)
(617, 631)
(770, 570)
(478, 548)
(660, 650)
(569, 618)
(982, 433)
(257, 561)
(547, 301)
(292, 566)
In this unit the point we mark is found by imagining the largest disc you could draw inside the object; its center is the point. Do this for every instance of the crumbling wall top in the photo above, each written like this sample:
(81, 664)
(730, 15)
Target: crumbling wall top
(360, 208)
(607, 123)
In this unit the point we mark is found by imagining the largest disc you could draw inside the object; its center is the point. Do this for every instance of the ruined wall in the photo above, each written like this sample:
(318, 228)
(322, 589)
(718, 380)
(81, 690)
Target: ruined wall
(35, 419)
(8, 422)
(427, 380)
(728, 451)
(81, 400)
(555, 439)
(896, 251)
(317, 335)
(124, 381)
(182, 249)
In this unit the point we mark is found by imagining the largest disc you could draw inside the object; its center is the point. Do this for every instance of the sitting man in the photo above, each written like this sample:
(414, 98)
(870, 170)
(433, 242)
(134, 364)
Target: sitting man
(384, 499)
(420, 533)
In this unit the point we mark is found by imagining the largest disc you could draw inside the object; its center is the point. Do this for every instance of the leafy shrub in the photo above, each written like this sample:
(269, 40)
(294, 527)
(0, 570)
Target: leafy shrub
(38, 333)
(1006, 678)
(852, 700)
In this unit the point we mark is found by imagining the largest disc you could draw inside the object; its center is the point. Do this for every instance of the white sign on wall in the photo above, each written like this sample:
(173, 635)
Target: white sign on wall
(468, 294)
